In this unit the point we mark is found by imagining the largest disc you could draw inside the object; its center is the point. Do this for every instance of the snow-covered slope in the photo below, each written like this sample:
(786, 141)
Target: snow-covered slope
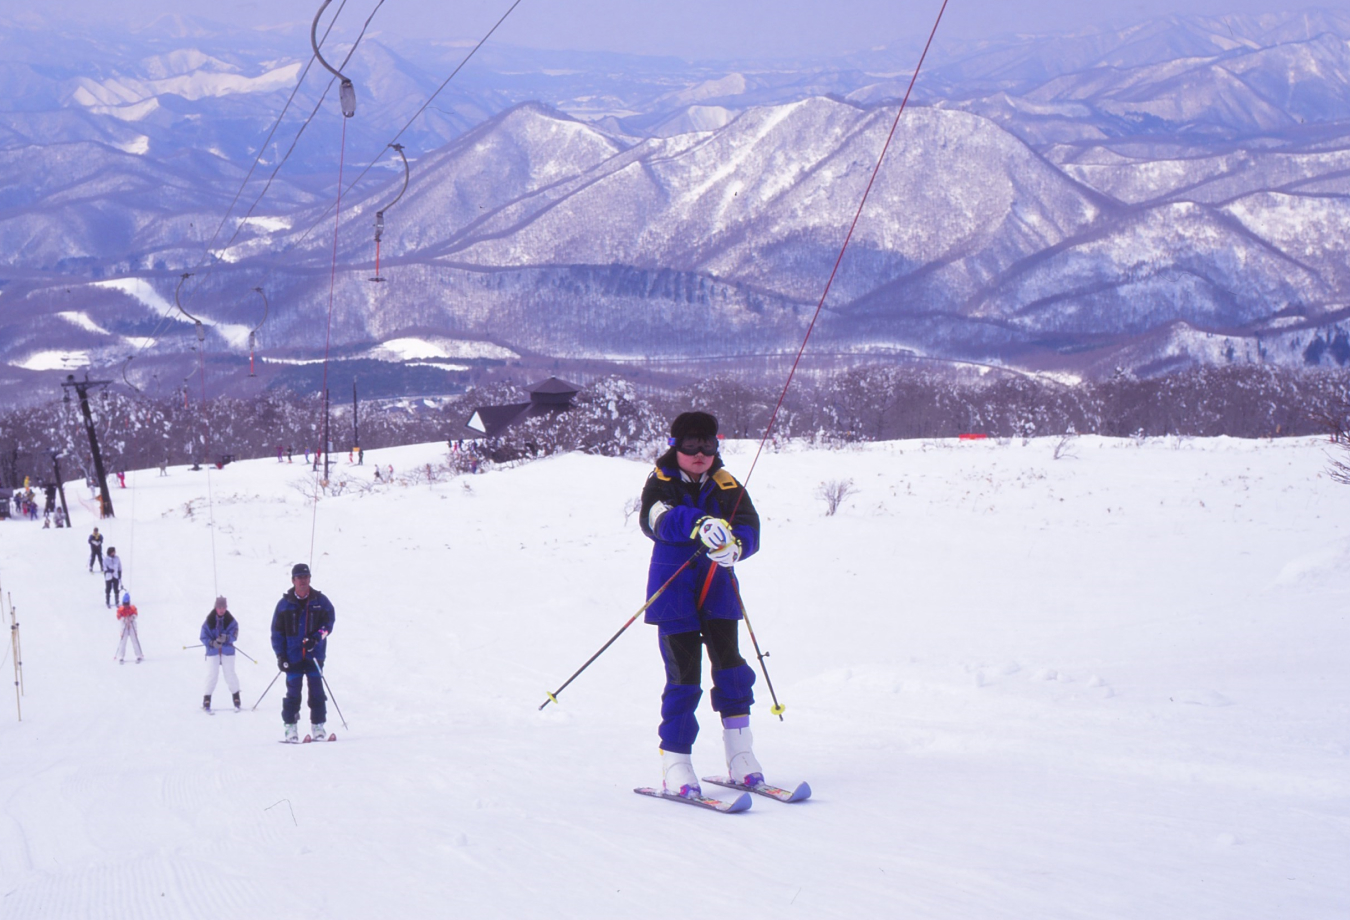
(1109, 685)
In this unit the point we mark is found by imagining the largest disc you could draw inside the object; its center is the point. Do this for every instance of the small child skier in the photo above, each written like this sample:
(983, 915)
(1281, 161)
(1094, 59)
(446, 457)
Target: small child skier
(219, 632)
(696, 512)
(126, 615)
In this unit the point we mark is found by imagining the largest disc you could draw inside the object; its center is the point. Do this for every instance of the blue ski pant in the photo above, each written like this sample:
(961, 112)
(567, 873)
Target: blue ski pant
(683, 656)
(318, 701)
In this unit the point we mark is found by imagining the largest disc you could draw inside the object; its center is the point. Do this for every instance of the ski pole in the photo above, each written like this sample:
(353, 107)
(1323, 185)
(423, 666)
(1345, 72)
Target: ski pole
(330, 692)
(553, 697)
(264, 693)
(778, 708)
(236, 648)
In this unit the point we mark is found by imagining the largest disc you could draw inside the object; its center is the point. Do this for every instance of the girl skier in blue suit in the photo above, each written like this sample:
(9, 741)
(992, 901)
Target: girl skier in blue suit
(692, 508)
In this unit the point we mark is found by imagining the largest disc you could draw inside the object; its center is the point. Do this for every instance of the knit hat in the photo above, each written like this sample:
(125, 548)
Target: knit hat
(693, 425)
(126, 597)
(220, 602)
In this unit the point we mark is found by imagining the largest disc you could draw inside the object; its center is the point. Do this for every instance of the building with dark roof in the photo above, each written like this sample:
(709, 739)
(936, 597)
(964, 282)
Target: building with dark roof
(551, 395)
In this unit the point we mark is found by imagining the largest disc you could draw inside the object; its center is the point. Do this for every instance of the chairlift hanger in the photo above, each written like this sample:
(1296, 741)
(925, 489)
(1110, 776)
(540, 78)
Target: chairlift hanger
(201, 330)
(253, 334)
(126, 379)
(346, 92)
(379, 215)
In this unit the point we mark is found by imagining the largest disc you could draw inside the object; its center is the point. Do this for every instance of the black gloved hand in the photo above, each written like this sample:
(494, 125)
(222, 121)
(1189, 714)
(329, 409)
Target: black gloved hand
(308, 643)
(282, 663)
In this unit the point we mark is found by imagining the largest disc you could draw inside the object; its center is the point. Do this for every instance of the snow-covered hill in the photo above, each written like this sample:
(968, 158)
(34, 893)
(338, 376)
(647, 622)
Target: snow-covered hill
(1101, 686)
(1055, 202)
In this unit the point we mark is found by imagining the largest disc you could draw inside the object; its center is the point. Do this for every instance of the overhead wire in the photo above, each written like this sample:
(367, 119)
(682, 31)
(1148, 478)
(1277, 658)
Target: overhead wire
(296, 140)
(319, 220)
(262, 148)
(848, 238)
(777, 708)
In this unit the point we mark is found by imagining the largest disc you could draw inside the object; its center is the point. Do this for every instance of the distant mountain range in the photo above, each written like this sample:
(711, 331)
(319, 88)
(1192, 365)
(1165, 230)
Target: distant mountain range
(1143, 199)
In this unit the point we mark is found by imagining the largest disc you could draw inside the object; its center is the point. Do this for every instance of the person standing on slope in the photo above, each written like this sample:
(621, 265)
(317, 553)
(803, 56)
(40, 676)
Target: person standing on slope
(126, 615)
(219, 632)
(112, 576)
(96, 550)
(686, 503)
(300, 628)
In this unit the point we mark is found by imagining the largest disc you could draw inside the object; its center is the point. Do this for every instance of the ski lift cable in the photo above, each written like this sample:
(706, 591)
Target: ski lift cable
(325, 444)
(777, 708)
(318, 221)
(848, 238)
(291, 149)
(262, 148)
(258, 159)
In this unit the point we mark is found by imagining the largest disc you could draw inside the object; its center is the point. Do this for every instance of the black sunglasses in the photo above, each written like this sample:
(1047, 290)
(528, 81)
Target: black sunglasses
(693, 446)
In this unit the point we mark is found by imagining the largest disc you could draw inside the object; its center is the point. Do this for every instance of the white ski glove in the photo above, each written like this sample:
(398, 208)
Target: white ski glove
(723, 547)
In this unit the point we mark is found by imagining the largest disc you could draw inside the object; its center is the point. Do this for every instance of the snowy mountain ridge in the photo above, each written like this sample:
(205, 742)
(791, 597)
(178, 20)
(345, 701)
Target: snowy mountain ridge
(1057, 204)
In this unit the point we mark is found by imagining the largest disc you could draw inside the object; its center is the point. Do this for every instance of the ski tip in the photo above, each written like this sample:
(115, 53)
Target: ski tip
(741, 803)
(801, 793)
(307, 740)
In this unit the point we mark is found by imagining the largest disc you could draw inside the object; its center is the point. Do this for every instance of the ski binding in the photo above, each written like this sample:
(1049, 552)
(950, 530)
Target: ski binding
(800, 793)
(740, 803)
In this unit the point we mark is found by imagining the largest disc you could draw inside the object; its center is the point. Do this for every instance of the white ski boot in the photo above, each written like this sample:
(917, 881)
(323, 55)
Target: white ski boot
(292, 734)
(678, 776)
(742, 766)
(316, 731)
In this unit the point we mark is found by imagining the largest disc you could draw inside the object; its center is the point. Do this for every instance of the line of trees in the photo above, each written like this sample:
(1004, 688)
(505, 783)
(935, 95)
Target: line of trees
(612, 417)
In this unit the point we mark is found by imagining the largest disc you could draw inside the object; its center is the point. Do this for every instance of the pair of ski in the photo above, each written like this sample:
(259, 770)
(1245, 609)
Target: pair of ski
(308, 740)
(800, 793)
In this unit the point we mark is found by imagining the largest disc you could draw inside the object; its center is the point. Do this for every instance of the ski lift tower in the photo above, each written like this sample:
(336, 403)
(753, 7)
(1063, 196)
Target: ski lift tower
(82, 388)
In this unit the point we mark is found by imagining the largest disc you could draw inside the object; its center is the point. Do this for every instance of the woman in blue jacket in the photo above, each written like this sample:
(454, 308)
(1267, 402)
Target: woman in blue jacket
(219, 633)
(693, 509)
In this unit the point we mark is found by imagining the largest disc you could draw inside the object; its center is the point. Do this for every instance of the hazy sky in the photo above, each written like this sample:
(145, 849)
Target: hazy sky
(688, 28)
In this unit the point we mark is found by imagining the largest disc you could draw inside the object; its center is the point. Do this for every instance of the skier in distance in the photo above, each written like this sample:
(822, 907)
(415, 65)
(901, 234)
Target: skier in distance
(112, 576)
(685, 504)
(96, 550)
(300, 626)
(219, 632)
(127, 615)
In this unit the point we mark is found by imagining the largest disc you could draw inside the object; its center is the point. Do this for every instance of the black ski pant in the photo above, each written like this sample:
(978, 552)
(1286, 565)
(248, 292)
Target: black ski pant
(96, 553)
(110, 591)
(318, 700)
(732, 679)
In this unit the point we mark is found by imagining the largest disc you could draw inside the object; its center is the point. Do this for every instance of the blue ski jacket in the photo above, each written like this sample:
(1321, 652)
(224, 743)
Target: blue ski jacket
(671, 506)
(213, 628)
(296, 619)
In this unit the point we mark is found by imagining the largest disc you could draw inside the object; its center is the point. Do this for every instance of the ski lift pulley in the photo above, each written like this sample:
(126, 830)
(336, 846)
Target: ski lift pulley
(346, 92)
